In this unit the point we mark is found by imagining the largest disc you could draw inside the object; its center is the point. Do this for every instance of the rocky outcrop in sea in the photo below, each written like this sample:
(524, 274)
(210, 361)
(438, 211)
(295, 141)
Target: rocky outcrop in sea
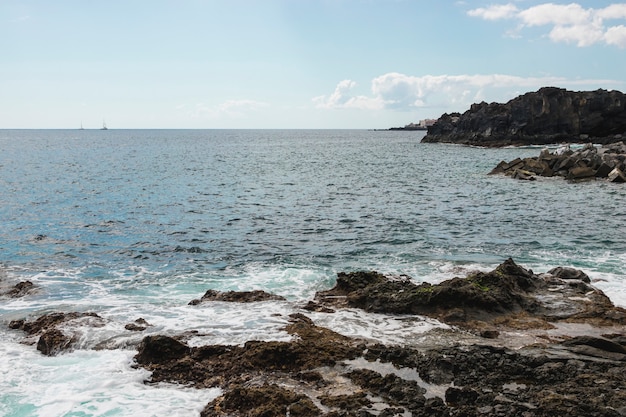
(547, 116)
(607, 162)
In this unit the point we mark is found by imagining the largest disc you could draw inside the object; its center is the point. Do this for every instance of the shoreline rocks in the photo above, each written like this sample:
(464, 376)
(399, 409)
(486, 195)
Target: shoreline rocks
(606, 162)
(573, 363)
(322, 373)
(547, 116)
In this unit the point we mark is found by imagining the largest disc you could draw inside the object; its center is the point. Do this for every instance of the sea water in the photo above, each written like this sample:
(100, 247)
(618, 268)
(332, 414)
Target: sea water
(136, 223)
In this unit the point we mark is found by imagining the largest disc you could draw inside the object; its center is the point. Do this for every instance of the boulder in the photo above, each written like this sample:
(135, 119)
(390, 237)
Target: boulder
(237, 297)
(617, 176)
(549, 115)
(57, 332)
(569, 273)
(53, 341)
(584, 164)
(21, 289)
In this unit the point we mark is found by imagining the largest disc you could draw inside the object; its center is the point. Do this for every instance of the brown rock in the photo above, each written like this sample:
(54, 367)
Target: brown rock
(237, 297)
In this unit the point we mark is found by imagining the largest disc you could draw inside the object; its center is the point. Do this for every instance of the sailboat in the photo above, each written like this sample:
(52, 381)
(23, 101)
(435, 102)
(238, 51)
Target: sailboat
(104, 126)
(81, 126)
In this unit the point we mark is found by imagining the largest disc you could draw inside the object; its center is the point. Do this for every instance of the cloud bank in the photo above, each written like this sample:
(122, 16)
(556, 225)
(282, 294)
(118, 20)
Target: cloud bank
(395, 91)
(569, 23)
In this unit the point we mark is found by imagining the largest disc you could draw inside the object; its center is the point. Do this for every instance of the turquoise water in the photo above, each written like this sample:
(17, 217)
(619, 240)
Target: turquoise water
(136, 223)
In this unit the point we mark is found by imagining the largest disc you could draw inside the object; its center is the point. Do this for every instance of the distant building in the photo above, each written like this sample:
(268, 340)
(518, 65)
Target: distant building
(427, 122)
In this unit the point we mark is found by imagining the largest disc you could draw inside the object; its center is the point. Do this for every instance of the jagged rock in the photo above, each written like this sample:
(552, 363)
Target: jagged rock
(237, 297)
(507, 291)
(549, 115)
(322, 373)
(569, 273)
(21, 289)
(585, 164)
(616, 175)
(266, 400)
(53, 341)
(159, 350)
(138, 325)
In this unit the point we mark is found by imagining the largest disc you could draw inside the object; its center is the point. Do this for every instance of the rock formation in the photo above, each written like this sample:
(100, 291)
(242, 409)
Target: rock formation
(237, 297)
(549, 115)
(606, 162)
(570, 360)
(322, 373)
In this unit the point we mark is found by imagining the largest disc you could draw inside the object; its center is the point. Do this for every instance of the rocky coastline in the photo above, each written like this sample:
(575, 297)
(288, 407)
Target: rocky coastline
(607, 162)
(517, 344)
(548, 116)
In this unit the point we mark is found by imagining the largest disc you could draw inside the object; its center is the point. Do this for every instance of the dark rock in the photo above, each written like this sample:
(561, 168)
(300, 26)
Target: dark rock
(159, 350)
(237, 297)
(322, 373)
(569, 273)
(51, 321)
(461, 396)
(138, 325)
(549, 115)
(478, 296)
(266, 400)
(53, 341)
(20, 289)
(596, 342)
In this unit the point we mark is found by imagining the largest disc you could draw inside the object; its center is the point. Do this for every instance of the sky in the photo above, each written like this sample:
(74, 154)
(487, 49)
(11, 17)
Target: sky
(285, 64)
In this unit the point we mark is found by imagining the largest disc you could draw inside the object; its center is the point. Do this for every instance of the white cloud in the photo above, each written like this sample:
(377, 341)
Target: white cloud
(396, 91)
(342, 97)
(616, 35)
(495, 12)
(571, 23)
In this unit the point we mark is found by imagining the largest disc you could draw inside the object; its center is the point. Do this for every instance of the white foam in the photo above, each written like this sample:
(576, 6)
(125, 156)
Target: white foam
(383, 328)
(87, 383)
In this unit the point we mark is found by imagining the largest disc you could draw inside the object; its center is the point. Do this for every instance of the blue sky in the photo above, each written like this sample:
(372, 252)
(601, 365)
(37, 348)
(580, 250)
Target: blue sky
(293, 63)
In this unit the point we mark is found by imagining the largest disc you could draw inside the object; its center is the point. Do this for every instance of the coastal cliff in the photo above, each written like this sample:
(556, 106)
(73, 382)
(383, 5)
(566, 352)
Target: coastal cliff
(549, 115)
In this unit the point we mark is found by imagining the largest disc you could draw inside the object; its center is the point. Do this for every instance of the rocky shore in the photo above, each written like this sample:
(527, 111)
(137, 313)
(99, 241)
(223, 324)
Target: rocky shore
(517, 344)
(547, 116)
(606, 162)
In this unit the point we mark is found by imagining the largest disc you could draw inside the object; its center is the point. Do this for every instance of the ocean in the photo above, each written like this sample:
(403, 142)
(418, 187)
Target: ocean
(137, 223)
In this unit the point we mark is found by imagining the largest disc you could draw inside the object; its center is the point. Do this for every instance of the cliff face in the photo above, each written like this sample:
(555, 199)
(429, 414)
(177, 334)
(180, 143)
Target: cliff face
(549, 115)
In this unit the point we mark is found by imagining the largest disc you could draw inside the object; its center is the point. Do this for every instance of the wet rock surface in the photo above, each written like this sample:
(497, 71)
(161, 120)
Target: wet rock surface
(518, 344)
(237, 297)
(54, 333)
(322, 373)
(549, 115)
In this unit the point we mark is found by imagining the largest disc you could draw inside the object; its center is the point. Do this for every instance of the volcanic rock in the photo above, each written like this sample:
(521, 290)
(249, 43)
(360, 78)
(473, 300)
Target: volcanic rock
(56, 332)
(322, 373)
(20, 289)
(237, 297)
(509, 291)
(549, 115)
